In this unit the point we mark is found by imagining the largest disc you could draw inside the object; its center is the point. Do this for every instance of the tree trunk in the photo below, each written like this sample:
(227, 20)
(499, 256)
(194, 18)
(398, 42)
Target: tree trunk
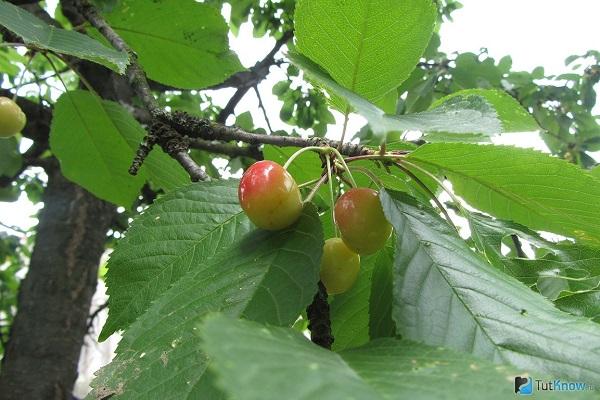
(40, 361)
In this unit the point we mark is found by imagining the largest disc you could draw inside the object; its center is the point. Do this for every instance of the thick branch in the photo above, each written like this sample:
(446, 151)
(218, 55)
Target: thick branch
(199, 128)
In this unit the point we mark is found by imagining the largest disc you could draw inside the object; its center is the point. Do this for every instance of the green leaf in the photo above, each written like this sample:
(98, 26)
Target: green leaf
(191, 51)
(10, 157)
(266, 276)
(37, 33)
(380, 302)
(91, 149)
(469, 114)
(563, 269)
(274, 363)
(522, 185)
(158, 167)
(445, 294)
(95, 141)
(512, 116)
(351, 40)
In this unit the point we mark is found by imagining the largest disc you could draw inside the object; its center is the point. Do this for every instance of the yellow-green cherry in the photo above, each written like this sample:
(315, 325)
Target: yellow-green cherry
(339, 266)
(12, 118)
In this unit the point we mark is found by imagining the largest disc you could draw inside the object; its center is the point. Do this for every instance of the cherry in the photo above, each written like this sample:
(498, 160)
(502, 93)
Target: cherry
(359, 215)
(12, 118)
(339, 266)
(270, 196)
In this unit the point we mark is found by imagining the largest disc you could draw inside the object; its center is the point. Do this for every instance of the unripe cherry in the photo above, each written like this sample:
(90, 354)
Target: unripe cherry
(360, 218)
(270, 196)
(339, 266)
(12, 118)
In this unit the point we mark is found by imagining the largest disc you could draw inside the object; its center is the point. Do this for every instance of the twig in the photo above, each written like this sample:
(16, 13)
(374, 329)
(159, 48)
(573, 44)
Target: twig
(319, 321)
(243, 89)
(230, 150)
(193, 169)
(94, 315)
(13, 228)
(264, 110)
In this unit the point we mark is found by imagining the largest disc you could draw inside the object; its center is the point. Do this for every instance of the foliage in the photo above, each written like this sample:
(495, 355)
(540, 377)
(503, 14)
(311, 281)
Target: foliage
(210, 307)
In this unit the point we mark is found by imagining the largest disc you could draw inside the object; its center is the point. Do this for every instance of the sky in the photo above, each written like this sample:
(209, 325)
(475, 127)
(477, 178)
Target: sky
(534, 32)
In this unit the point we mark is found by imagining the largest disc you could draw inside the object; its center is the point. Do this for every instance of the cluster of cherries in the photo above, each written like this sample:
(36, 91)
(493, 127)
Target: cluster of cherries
(271, 199)
(12, 118)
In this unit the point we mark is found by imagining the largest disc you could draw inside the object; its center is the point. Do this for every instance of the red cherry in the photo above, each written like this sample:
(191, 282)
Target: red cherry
(270, 196)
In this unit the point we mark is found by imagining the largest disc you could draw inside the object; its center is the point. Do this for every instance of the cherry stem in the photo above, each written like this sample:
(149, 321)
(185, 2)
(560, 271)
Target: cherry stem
(308, 183)
(341, 159)
(369, 174)
(332, 197)
(299, 152)
(315, 189)
(440, 183)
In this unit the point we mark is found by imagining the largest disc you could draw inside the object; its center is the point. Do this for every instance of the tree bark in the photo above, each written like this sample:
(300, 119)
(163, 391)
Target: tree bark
(41, 358)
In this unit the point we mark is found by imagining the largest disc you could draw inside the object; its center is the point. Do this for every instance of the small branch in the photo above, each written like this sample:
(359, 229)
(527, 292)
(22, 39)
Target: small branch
(94, 315)
(264, 110)
(230, 150)
(196, 173)
(518, 246)
(262, 66)
(134, 72)
(319, 322)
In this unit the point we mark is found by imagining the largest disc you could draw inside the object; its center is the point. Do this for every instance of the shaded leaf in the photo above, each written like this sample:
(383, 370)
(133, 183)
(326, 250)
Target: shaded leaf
(444, 294)
(36, 32)
(275, 363)
(190, 51)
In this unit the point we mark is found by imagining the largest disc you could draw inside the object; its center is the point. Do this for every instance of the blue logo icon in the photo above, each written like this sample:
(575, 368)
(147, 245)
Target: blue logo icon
(523, 385)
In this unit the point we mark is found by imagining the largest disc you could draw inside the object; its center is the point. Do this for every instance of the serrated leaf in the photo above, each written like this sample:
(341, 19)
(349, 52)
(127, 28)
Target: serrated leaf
(275, 363)
(10, 157)
(267, 276)
(350, 39)
(95, 141)
(171, 238)
(469, 114)
(522, 185)
(191, 51)
(36, 32)
(444, 294)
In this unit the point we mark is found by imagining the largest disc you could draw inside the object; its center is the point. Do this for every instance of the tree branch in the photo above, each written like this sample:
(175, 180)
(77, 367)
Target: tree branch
(260, 71)
(199, 128)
